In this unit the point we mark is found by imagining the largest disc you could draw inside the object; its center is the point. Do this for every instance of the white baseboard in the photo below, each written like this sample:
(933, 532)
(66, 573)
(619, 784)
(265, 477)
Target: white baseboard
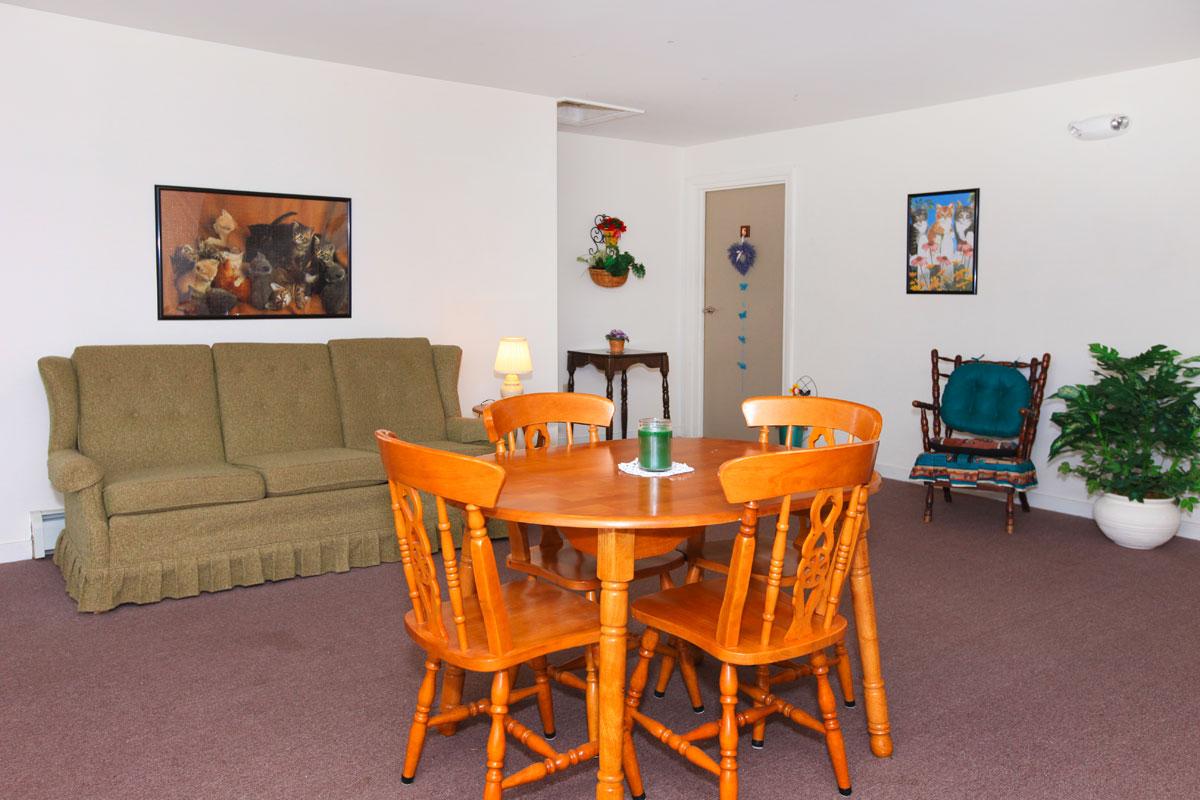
(15, 550)
(1037, 499)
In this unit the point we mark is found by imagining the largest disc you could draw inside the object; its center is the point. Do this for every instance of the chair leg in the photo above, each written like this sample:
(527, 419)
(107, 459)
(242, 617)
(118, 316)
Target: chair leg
(420, 723)
(452, 689)
(665, 668)
(633, 699)
(928, 503)
(687, 671)
(1008, 511)
(1024, 501)
(545, 701)
(946, 493)
(845, 676)
(833, 732)
(592, 694)
(758, 738)
(496, 740)
(727, 737)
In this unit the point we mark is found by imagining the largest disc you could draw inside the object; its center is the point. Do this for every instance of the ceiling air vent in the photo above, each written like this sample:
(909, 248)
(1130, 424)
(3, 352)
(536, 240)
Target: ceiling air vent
(582, 113)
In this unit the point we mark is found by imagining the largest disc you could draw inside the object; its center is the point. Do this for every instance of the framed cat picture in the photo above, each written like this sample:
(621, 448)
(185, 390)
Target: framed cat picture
(943, 242)
(225, 254)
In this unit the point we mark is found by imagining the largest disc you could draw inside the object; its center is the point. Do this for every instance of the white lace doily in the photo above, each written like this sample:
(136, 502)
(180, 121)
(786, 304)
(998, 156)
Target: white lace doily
(632, 468)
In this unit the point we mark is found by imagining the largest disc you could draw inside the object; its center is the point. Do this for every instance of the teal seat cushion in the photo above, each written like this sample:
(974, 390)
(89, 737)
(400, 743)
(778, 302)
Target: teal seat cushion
(985, 399)
(968, 470)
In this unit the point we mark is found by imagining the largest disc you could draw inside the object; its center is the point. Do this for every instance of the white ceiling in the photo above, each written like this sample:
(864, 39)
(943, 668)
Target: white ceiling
(702, 70)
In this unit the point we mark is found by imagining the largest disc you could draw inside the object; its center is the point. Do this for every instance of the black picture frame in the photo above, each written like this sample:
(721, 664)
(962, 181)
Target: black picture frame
(942, 258)
(290, 282)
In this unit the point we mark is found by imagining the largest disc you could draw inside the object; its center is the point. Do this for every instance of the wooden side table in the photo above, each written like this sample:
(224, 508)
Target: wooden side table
(610, 364)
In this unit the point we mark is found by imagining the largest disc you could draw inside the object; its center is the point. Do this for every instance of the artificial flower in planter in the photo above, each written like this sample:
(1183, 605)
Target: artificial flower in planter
(608, 265)
(616, 340)
(1136, 431)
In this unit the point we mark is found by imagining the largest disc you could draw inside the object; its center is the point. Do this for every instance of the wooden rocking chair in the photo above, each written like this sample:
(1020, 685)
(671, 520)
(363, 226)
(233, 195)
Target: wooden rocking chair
(984, 423)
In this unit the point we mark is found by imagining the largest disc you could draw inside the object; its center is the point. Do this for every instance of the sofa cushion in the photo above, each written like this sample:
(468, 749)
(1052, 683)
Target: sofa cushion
(185, 486)
(275, 398)
(304, 471)
(147, 406)
(387, 383)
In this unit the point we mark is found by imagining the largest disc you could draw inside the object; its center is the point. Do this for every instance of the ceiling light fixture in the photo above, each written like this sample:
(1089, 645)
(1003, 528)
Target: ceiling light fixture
(576, 113)
(1104, 126)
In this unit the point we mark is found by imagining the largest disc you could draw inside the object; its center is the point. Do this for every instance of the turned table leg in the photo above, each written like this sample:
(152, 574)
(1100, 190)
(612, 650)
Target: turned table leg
(624, 403)
(614, 568)
(608, 378)
(874, 696)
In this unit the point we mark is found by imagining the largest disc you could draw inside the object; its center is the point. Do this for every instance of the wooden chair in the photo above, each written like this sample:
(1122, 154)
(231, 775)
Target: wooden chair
(744, 622)
(526, 419)
(486, 626)
(984, 423)
(822, 419)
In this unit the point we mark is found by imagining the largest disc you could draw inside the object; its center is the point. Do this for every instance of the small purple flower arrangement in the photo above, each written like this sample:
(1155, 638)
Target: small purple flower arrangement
(616, 340)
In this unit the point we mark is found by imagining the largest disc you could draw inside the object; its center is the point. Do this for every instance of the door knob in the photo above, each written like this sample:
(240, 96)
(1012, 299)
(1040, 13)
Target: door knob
(710, 309)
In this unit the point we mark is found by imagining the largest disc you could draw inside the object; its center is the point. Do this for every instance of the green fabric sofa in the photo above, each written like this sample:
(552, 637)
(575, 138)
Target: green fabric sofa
(188, 468)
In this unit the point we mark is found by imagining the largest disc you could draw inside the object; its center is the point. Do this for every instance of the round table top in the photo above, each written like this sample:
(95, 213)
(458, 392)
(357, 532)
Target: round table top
(579, 486)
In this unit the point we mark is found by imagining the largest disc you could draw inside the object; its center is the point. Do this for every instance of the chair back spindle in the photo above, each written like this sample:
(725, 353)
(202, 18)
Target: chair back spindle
(838, 476)
(412, 469)
(532, 414)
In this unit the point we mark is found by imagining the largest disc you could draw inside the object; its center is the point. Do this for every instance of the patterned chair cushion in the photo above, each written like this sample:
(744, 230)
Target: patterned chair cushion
(973, 470)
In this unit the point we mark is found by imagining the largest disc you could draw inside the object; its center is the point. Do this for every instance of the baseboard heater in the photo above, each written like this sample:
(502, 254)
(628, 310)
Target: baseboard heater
(44, 528)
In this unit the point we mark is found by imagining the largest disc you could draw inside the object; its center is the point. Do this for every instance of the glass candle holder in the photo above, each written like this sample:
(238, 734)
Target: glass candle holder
(654, 444)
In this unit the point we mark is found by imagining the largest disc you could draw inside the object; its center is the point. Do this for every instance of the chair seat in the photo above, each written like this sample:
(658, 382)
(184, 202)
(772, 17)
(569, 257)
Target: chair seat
(975, 446)
(575, 570)
(968, 471)
(715, 556)
(318, 470)
(142, 491)
(691, 611)
(542, 619)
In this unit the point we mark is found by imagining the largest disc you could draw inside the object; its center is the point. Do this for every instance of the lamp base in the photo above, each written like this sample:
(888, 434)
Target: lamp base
(511, 386)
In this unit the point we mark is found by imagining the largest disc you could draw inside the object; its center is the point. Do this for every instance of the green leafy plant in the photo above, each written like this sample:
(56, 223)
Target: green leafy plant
(1136, 430)
(611, 258)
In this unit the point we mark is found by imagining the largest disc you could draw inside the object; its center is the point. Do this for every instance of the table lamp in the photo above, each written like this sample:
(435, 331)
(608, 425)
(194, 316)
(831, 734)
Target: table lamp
(513, 359)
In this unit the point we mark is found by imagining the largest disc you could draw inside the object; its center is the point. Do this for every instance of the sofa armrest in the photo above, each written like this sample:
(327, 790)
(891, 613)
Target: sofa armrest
(71, 471)
(466, 430)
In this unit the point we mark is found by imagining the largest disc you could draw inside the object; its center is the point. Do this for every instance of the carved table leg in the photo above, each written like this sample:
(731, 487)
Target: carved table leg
(624, 403)
(874, 696)
(570, 376)
(608, 378)
(614, 568)
(666, 394)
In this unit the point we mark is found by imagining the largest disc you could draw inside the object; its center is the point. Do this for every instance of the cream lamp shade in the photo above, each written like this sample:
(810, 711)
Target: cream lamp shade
(513, 359)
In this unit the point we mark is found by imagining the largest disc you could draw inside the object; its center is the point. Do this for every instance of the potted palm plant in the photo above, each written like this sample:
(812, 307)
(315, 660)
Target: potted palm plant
(1136, 432)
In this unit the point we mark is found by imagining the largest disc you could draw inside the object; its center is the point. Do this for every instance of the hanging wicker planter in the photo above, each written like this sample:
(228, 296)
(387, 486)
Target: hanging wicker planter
(602, 277)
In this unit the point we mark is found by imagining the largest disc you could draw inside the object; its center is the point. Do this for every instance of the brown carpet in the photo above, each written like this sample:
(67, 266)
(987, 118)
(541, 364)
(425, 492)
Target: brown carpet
(1047, 664)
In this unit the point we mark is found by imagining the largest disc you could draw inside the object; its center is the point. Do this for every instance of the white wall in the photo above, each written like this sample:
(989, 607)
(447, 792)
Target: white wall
(453, 189)
(640, 183)
(1078, 241)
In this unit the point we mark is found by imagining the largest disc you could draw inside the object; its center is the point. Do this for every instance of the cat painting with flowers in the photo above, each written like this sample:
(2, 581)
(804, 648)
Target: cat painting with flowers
(941, 242)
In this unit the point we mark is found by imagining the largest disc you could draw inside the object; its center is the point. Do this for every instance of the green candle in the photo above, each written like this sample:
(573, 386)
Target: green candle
(654, 444)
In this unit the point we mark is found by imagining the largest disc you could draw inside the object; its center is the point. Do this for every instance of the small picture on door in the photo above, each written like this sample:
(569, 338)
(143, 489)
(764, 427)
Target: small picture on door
(942, 254)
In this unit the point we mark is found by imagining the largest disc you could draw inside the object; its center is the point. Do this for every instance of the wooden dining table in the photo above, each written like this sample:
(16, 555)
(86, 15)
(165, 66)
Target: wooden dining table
(620, 518)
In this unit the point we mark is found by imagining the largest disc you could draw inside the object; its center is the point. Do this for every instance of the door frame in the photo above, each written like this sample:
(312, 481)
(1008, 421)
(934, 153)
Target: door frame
(691, 290)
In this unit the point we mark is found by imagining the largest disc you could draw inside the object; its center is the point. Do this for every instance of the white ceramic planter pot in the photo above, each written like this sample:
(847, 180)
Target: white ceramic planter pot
(1141, 526)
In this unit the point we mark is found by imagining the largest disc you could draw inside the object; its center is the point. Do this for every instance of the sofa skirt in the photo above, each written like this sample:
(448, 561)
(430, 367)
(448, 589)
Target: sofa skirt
(153, 560)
